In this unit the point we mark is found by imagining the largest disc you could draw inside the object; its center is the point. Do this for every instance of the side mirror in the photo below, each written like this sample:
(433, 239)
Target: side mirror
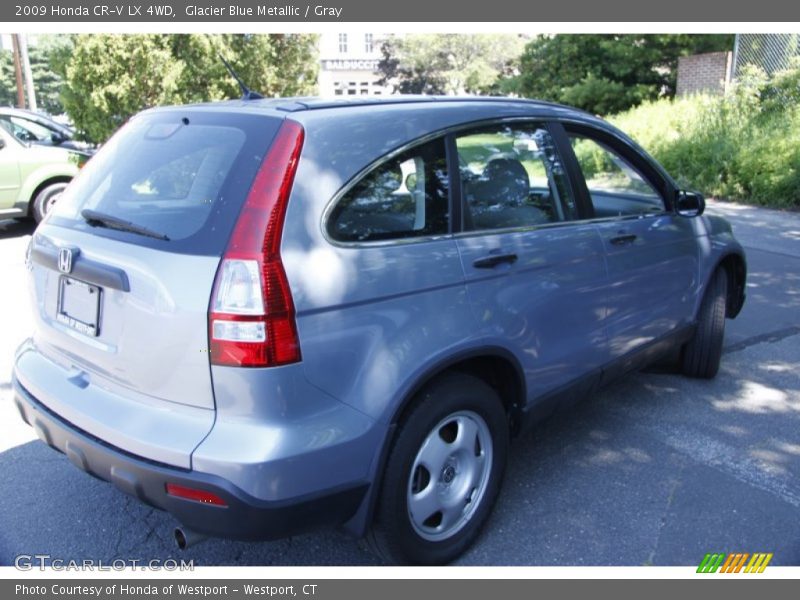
(689, 204)
(2, 143)
(57, 138)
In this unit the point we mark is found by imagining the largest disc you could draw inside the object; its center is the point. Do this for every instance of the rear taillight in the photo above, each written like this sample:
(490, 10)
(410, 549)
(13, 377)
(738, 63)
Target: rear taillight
(251, 318)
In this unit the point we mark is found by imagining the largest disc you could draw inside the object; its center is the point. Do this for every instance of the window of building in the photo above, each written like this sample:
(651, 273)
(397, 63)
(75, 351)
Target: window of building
(342, 43)
(369, 43)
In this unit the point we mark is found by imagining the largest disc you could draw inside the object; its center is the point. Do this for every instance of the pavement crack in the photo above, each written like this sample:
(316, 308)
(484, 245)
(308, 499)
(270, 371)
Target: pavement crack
(673, 488)
(763, 338)
(120, 531)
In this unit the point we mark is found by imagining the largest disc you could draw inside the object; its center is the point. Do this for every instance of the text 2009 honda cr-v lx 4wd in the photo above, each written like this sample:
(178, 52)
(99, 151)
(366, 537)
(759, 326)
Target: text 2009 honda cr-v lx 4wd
(270, 315)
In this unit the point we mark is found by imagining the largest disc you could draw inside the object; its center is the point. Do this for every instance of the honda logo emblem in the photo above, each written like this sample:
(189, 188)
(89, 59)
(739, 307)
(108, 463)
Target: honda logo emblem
(65, 260)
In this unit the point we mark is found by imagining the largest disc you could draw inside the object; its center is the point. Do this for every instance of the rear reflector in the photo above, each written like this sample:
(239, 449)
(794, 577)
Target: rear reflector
(252, 319)
(188, 493)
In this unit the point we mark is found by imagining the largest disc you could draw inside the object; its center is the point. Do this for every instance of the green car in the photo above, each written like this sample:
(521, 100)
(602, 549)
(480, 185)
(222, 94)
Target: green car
(33, 176)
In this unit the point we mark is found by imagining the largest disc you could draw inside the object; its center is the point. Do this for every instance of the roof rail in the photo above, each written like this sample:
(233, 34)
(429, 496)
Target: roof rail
(313, 103)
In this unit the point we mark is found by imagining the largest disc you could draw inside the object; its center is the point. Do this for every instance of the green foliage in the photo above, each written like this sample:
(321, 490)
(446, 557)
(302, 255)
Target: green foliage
(606, 73)
(448, 63)
(8, 85)
(47, 78)
(742, 146)
(46, 67)
(111, 77)
(273, 65)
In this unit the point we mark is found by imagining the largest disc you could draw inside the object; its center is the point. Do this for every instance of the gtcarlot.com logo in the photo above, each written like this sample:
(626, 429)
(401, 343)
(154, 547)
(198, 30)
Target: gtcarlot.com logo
(735, 562)
(28, 562)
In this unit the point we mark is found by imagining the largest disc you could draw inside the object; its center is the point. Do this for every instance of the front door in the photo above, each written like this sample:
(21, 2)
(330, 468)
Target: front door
(650, 251)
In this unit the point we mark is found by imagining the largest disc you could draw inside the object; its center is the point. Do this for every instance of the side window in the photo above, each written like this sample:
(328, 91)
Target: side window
(23, 130)
(616, 188)
(405, 197)
(512, 176)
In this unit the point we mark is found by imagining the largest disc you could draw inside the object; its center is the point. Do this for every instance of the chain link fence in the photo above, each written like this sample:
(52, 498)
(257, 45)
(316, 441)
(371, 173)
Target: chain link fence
(771, 52)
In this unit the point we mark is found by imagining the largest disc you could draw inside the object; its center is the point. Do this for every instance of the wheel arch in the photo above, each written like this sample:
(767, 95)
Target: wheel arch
(495, 365)
(735, 268)
(490, 364)
(45, 183)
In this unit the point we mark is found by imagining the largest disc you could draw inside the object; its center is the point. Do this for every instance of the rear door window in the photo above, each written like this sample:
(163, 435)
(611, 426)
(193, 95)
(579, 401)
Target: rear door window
(512, 176)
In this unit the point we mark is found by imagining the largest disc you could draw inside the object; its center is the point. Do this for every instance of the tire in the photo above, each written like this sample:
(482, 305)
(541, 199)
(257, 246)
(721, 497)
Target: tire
(443, 473)
(702, 354)
(45, 199)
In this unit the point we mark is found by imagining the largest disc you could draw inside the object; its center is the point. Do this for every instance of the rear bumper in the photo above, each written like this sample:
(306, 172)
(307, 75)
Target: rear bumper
(245, 517)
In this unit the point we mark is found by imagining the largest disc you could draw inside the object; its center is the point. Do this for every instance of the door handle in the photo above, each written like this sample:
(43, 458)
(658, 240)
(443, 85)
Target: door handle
(623, 240)
(489, 262)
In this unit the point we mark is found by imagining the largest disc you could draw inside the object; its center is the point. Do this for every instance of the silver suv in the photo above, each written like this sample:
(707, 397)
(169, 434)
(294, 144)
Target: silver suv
(266, 316)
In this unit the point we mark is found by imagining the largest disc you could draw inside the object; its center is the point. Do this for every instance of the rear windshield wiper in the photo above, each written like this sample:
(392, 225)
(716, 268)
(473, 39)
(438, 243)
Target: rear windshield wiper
(99, 219)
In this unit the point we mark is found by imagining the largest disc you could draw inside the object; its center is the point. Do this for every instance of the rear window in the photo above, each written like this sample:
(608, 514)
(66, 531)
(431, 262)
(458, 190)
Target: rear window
(182, 175)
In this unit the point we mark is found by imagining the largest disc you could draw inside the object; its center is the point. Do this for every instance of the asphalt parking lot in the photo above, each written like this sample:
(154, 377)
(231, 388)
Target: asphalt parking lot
(657, 470)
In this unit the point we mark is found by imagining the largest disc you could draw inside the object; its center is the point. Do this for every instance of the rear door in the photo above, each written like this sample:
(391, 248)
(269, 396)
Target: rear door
(651, 252)
(124, 265)
(535, 277)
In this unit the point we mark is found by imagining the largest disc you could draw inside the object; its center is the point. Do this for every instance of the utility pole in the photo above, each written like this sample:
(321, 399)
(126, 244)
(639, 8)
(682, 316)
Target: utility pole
(18, 72)
(26, 70)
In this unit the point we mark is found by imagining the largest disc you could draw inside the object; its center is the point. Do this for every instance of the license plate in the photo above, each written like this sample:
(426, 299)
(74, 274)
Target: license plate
(79, 305)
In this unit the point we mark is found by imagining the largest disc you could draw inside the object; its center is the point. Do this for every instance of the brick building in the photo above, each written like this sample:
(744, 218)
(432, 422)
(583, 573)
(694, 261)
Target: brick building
(704, 73)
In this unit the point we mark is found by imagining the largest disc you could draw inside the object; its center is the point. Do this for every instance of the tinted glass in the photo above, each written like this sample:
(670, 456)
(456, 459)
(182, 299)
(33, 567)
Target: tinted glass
(616, 187)
(405, 197)
(181, 175)
(512, 176)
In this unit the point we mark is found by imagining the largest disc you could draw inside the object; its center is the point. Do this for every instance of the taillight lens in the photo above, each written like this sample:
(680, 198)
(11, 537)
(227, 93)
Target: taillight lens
(252, 319)
(239, 288)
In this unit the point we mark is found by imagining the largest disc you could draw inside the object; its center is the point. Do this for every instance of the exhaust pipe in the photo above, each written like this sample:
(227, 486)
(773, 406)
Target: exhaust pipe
(185, 537)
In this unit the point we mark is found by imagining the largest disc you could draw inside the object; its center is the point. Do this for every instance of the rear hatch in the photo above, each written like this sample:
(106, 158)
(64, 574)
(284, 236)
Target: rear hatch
(124, 265)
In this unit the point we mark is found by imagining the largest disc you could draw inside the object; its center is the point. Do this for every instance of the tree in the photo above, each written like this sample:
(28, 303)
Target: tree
(273, 65)
(606, 73)
(48, 80)
(112, 77)
(48, 75)
(8, 87)
(448, 63)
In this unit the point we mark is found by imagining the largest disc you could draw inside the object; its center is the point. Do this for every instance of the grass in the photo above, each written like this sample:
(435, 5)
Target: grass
(743, 147)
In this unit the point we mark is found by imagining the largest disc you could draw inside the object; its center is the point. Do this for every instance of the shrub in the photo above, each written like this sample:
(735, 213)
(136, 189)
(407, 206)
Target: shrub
(744, 146)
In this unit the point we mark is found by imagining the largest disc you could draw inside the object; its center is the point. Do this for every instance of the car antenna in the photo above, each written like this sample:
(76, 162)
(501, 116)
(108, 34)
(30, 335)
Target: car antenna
(247, 93)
